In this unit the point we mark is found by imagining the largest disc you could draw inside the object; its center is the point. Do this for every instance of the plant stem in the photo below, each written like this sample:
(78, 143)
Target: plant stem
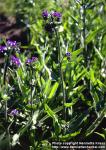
(4, 78)
(4, 83)
(31, 69)
(61, 73)
(83, 32)
(85, 51)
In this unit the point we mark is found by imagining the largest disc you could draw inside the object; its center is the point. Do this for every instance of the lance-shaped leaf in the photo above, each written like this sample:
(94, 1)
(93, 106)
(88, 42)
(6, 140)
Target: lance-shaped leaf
(69, 136)
(53, 90)
(96, 123)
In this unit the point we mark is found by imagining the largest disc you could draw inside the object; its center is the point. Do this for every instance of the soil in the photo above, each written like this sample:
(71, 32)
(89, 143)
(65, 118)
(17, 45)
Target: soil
(11, 29)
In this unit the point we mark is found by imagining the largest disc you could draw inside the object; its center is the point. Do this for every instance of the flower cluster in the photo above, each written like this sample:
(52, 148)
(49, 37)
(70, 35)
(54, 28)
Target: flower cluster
(54, 15)
(31, 60)
(11, 43)
(15, 61)
(52, 20)
(14, 112)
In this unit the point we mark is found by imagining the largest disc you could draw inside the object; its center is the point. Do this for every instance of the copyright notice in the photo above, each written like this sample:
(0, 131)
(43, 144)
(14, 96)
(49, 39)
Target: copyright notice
(78, 145)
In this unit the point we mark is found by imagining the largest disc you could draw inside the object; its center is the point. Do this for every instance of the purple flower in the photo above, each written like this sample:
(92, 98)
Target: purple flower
(31, 60)
(3, 49)
(28, 61)
(11, 43)
(14, 112)
(68, 54)
(15, 61)
(34, 59)
(45, 14)
(56, 15)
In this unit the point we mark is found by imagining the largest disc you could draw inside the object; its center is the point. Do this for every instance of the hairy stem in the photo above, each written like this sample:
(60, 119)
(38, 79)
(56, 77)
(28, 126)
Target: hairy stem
(31, 70)
(4, 83)
(61, 73)
(84, 30)
(4, 79)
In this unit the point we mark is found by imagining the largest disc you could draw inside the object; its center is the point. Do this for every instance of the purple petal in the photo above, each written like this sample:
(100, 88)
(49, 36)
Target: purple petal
(11, 43)
(14, 112)
(15, 61)
(45, 14)
(56, 14)
(3, 49)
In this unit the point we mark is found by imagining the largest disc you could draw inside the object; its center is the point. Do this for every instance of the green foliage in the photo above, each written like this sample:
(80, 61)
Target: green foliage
(37, 92)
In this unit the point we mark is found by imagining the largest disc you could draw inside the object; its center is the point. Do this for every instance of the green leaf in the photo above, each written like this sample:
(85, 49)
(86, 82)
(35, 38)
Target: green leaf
(50, 112)
(19, 82)
(75, 124)
(55, 111)
(70, 135)
(92, 34)
(92, 76)
(98, 52)
(101, 134)
(70, 104)
(53, 90)
(94, 96)
(76, 90)
(46, 145)
(42, 81)
(5, 97)
(96, 123)
(76, 53)
(74, 19)
(47, 88)
(101, 84)
(81, 75)
(55, 119)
